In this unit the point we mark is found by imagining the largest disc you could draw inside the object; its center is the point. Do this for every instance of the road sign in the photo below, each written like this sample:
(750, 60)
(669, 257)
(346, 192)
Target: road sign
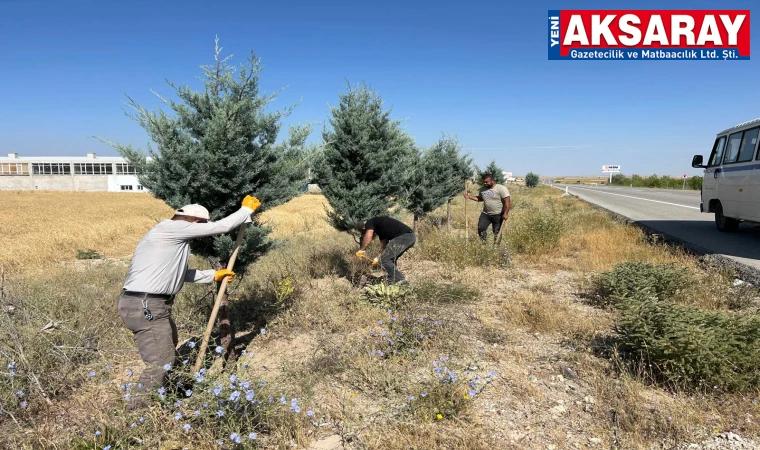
(685, 176)
(611, 169)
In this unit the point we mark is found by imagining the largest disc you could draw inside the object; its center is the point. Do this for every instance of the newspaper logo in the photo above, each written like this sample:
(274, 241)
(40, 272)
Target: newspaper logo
(649, 34)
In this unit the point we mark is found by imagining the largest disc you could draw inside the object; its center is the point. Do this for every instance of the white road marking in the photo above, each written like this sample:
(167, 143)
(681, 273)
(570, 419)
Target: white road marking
(638, 198)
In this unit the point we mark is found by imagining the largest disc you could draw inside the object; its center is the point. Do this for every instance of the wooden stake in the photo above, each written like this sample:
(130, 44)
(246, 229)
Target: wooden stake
(448, 216)
(466, 226)
(219, 297)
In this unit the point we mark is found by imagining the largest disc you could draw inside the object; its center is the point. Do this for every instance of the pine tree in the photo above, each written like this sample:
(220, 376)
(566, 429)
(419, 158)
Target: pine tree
(440, 172)
(493, 169)
(217, 147)
(366, 159)
(531, 179)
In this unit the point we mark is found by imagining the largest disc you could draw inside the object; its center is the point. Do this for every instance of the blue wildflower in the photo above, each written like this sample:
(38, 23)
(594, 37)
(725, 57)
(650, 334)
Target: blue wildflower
(184, 363)
(191, 344)
(196, 412)
(310, 413)
(109, 367)
(245, 385)
(218, 350)
(295, 409)
(186, 427)
(423, 394)
(23, 404)
(249, 395)
(379, 322)
(220, 413)
(234, 437)
(97, 433)
(220, 442)
(492, 373)
(20, 394)
(234, 396)
(161, 390)
(282, 400)
(141, 419)
(411, 399)
(178, 416)
(233, 378)
(132, 425)
(198, 377)
(91, 374)
(127, 397)
(252, 436)
(107, 447)
(472, 393)
(178, 403)
(263, 331)
(217, 391)
(203, 370)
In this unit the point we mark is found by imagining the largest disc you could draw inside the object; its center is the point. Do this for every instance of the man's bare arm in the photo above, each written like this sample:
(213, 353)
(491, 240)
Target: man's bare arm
(505, 210)
(366, 239)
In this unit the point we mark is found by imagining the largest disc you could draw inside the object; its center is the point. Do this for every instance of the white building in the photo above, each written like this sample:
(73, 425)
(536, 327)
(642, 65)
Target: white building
(53, 173)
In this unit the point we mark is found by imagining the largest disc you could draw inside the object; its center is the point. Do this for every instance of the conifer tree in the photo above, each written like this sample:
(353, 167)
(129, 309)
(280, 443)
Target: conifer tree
(365, 161)
(217, 147)
(438, 177)
(531, 179)
(493, 169)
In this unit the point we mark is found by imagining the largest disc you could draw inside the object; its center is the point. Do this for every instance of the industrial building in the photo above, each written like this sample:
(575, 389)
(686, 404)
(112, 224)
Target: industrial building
(53, 173)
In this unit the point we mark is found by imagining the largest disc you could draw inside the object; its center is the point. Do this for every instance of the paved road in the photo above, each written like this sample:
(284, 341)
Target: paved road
(676, 213)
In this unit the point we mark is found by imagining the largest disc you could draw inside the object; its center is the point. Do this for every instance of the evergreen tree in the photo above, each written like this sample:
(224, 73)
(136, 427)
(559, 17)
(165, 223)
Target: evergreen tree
(531, 179)
(493, 169)
(217, 147)
(366, 159)
(439, 175)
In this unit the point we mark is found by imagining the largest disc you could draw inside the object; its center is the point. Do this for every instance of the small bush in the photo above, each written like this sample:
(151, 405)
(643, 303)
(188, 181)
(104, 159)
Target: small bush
(688, 347)
(88, 254)
(455, 251)
(636, 279)
(531, 180)
(540, 230)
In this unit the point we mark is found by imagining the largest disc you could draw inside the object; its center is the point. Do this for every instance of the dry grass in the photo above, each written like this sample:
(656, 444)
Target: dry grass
(43, 227)
(525, 322)
(306, 214)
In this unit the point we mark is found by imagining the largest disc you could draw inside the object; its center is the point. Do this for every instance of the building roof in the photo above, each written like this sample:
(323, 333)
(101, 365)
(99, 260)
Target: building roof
(62, 159)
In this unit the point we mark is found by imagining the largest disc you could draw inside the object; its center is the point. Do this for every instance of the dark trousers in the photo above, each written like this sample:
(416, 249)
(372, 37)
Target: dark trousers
(393, 251)
(156, 339)
(489, 219)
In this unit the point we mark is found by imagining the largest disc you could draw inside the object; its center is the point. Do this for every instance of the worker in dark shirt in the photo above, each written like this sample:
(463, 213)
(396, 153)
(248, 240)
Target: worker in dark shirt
(395, 239)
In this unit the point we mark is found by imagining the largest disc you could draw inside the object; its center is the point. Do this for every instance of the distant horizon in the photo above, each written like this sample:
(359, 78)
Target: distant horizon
(488, 80)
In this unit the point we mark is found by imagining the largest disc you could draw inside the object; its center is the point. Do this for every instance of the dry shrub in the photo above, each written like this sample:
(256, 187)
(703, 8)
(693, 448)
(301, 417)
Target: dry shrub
(539, 311)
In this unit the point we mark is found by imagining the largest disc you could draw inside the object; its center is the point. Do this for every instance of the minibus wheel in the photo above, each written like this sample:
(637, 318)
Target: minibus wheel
(724, 224)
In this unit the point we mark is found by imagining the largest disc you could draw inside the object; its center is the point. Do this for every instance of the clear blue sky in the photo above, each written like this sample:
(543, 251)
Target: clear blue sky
(478, 70)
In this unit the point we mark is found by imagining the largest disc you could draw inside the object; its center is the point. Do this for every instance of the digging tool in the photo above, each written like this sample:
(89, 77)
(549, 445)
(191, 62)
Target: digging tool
(466, 226)
(219, 297)
(497, 240)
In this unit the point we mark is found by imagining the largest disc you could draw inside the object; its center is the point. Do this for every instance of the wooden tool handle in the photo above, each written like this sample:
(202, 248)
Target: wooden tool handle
(219, 296)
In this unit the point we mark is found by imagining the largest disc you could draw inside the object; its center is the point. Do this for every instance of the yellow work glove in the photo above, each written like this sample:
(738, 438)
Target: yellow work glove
(251, 202)
(361, 254)
(224, 273)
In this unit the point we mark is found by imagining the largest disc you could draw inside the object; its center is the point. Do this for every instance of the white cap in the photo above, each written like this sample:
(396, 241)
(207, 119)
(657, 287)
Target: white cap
(193, 211)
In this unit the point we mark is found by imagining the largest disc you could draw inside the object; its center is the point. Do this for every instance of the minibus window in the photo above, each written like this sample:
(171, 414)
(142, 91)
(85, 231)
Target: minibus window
(717, 152)
(732, 149)
(749, 141)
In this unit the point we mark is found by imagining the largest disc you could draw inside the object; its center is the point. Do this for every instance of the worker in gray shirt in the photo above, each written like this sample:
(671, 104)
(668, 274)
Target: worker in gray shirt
(496, 203)
(158, 270)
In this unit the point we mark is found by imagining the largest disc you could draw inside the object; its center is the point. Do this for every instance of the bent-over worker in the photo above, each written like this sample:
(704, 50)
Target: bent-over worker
(159, 268)
(395, 239)
(496, 203)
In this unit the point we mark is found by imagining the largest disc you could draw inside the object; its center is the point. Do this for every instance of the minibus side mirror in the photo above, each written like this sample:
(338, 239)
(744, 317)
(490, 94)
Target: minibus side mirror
(697, 161)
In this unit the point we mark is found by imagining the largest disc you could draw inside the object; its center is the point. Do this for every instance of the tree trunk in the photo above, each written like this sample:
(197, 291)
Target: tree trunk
(416, 220)
(448, 216)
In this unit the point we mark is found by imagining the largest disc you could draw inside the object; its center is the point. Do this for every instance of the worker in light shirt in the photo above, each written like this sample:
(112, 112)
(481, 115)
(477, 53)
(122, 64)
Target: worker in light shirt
(158, 270)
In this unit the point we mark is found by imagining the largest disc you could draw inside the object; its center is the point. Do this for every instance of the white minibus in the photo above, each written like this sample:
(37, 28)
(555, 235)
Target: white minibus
(731, 183)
